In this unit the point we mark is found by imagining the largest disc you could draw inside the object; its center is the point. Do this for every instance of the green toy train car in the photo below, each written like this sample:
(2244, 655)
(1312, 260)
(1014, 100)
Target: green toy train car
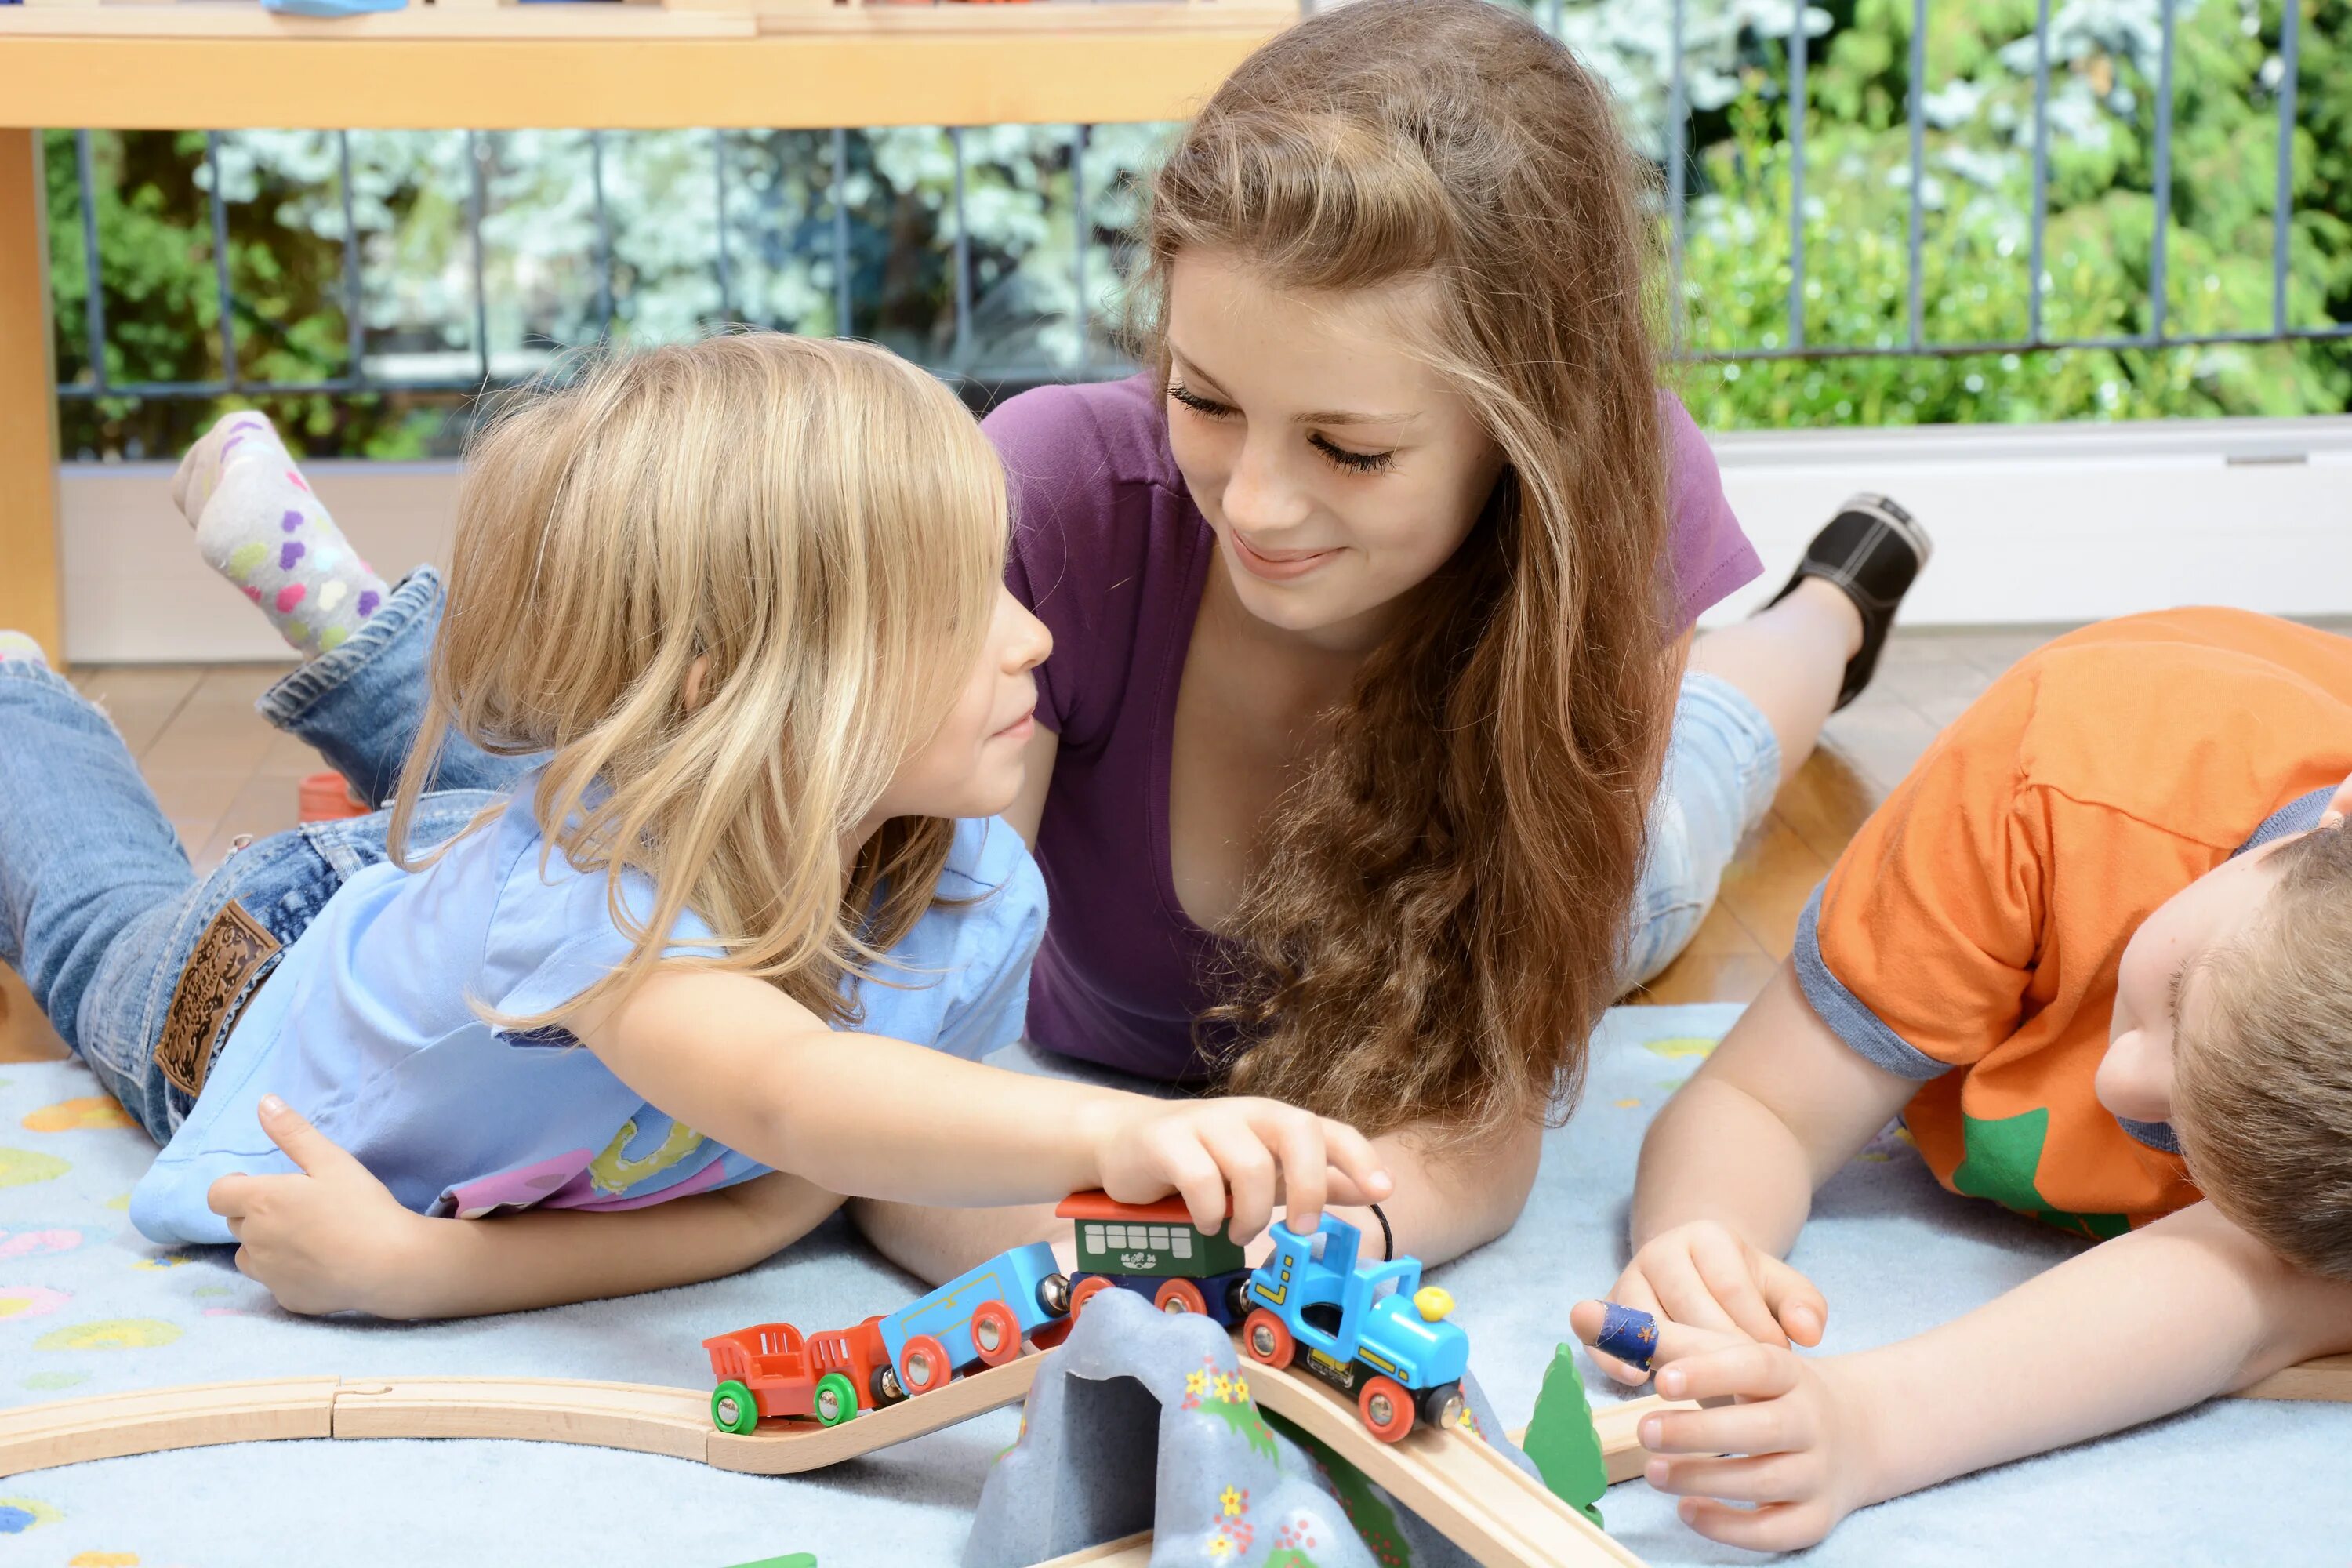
(1155, 1250)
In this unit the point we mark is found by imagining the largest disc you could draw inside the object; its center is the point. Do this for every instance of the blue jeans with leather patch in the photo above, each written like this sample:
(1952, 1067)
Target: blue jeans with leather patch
(100, 908)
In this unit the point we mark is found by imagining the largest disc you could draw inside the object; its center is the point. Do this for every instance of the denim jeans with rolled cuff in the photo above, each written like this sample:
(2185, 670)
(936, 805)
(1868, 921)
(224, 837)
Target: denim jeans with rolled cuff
(100, 907)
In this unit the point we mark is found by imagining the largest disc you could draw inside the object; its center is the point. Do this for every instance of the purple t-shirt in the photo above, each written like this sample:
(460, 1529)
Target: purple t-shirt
(1111, 552)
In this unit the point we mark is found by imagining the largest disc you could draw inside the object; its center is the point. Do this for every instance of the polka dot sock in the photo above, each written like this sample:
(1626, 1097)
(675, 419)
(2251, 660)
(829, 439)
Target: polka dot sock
(16, 644)
(258, 525)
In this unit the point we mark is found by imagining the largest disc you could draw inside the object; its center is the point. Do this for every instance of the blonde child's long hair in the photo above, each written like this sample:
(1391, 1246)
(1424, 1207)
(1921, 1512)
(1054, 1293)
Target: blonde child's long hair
(822, 522)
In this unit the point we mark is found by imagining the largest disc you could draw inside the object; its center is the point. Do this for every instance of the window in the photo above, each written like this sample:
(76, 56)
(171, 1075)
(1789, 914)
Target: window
(1094, 1238)
(1158, 1238)
(1385, 1288)
(1180, 1243)
(1117, 1234)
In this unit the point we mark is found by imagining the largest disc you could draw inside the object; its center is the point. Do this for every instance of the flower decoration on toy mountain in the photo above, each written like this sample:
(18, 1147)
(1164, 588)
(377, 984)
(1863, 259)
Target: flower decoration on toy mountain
(1227, 1396)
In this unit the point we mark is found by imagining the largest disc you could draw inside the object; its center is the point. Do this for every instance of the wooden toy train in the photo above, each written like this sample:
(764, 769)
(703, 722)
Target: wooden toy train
(1370, 1330)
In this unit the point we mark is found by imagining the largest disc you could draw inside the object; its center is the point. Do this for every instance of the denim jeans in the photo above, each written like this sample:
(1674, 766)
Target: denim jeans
(1722, 767)
(100, 907)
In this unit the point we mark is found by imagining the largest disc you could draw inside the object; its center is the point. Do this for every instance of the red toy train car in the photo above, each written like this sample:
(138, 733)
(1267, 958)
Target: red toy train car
(773, 1369)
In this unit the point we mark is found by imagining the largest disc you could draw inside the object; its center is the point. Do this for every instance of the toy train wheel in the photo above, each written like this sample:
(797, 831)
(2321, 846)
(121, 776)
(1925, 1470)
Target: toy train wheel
(1180, 1296)
(884, 1385)
(1266, 1338)
(1237, 1300)
(1054, 1294)
(835, 1401)
(732, 1408)
(996, 1332)
(923, 1365)
(1085, 1291)
(1441, 1406)
(1386, 1407)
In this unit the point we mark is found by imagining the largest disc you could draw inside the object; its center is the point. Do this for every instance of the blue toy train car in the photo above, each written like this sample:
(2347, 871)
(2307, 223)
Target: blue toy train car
(1372, 1331)
(977, 1319)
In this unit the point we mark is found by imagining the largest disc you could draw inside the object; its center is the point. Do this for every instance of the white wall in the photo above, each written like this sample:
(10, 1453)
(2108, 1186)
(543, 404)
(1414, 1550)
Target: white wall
(2031, 524)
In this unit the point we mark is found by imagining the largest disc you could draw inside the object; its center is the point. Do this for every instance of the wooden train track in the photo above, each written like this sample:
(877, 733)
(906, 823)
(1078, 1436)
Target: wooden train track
(1477, 1497)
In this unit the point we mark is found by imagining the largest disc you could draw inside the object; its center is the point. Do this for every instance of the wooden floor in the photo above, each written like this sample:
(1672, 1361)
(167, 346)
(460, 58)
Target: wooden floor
(221, 771)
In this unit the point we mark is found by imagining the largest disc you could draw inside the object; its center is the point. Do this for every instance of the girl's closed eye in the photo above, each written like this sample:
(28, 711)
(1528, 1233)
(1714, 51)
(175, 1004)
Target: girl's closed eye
(1352, 462)
(1206, 408)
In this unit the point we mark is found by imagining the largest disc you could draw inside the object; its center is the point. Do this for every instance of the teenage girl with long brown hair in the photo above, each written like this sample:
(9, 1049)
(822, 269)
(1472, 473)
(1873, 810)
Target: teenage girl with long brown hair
(1376, 755)
(1371, 600)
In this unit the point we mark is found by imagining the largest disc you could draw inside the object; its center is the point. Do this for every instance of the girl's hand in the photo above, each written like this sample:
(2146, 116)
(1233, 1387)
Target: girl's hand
(329, 1238)
(1704, 1276)
(1266, 1151)
(1787, 1439)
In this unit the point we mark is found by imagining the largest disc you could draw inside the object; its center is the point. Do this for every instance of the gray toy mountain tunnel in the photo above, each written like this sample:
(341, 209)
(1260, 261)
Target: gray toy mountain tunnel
(1143, 1420)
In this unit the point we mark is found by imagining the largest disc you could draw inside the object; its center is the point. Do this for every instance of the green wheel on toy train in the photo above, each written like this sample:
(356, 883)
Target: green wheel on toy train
(732, 1408)
(834, 1399)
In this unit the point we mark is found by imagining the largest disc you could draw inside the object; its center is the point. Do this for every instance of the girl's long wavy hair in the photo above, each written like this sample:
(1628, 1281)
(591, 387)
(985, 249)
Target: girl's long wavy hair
(822, 522)
(1435, 923)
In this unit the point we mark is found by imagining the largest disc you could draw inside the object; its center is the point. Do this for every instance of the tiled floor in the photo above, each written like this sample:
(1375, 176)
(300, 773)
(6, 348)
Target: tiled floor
(220, 770)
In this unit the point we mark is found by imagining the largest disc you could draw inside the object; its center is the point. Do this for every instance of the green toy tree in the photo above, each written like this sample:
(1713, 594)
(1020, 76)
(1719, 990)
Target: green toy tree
(1562, 1440)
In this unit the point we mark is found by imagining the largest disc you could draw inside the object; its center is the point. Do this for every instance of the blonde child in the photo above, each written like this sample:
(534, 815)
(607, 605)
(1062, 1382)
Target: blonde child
(2096, 950)
(727, 620)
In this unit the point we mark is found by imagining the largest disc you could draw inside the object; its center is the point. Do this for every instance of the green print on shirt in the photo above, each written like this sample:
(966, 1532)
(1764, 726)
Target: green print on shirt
(2002, 1158)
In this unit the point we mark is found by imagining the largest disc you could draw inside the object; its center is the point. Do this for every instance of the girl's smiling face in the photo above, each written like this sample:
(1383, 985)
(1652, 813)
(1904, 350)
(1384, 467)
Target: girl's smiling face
(1337, 468)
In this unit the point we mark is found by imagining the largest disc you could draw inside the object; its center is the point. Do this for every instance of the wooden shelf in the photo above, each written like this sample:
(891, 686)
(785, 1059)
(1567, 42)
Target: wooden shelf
(228, 66)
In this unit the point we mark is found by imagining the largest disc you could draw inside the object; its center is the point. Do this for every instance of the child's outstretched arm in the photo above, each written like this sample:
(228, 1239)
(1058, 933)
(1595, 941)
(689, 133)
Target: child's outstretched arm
(1729, 1170)
(874, 1116)
(1445, 1202)
(2172, 1314)
(331, 1237)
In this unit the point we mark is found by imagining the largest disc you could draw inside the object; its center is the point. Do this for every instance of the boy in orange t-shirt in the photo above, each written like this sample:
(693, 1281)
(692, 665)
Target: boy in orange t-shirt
(2096, 949)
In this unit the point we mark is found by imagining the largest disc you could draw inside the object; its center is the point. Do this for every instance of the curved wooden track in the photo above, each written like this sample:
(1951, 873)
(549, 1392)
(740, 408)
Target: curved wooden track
(1480, 1500)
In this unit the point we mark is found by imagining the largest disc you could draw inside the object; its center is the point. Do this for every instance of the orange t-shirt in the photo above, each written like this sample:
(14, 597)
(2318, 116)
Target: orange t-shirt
(1969, 936)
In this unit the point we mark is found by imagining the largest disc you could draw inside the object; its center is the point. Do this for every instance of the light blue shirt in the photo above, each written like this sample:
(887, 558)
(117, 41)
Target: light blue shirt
(367, 1027)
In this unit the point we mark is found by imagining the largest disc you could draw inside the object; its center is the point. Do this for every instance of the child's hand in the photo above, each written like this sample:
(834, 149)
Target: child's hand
(329, 1238)
(1266, 1151)
(1703, 1275)
(1787, 1439)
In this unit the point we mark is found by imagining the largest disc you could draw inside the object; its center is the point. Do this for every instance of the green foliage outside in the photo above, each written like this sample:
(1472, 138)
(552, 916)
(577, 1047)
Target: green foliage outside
(544, 287)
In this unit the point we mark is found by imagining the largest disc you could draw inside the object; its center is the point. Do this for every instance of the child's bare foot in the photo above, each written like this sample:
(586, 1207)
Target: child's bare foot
(258, 525)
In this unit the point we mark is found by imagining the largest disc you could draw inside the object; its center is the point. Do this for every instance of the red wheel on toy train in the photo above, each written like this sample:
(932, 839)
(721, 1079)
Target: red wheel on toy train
(1386, 1407)
(1083, 1292)
(923, 1365)
(1266, 1338)
(996, 1332)
(1180, 1296)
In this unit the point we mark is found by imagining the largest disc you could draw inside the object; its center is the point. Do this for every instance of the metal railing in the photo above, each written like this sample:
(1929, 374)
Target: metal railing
(960, 362)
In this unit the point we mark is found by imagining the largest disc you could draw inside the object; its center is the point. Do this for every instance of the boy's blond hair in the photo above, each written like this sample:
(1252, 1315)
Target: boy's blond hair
(2262, 1082)
(821, 521)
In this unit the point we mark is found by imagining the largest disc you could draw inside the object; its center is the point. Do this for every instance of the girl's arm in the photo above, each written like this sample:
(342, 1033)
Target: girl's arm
(550, 1257)
(1445, 1204)
(331, 1237)
(865, 1115)
(2170, 1315)
(1728, 1169)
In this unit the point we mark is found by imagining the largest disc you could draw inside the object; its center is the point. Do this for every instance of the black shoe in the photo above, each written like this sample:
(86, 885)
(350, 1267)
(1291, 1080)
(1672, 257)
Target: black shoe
(1872, 550)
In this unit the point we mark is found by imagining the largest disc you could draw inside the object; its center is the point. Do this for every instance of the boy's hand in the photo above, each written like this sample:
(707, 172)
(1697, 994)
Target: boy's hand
(1786, 1440)
(1704, 1276)
(329, 1238)
(1266, 1151)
